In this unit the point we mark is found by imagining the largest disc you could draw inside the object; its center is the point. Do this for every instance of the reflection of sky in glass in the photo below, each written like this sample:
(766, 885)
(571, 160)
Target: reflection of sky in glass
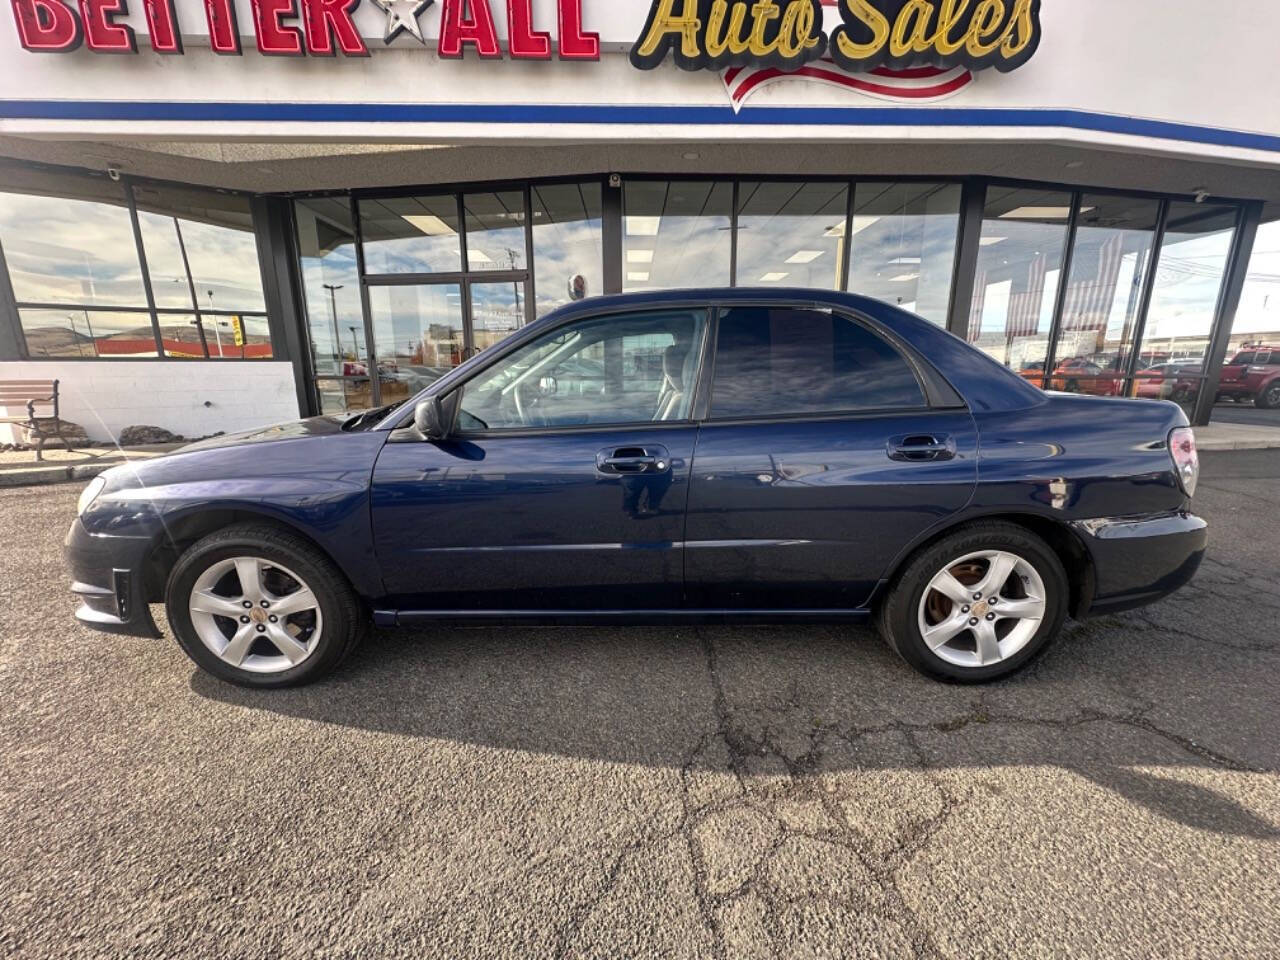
(791, 233)
(331, 282)
(223, 262)
(904, 245)
(495, 230)
(70, 251)
(1259, 310)
(417, 329)
(411, 234)
(1193, 261)
(567, 242)
(497, 309)
(675, 234)
(1114, 237)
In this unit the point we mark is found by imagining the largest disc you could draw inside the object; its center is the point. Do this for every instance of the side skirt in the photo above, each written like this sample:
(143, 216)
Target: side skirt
(409, 618)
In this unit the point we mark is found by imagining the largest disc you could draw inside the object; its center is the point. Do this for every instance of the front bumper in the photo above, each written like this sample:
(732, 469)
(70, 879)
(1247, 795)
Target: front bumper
(1138, 560)
(108, 576)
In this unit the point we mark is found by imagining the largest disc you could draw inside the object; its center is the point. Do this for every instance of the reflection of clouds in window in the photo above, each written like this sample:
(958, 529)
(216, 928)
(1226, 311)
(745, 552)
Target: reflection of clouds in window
(223, 262)
(411, 234)
(1189, 275)
(331, 283)
(70, 251)
(903, 245)
(567, 243)
(791, 233)
(416, 329)
(686, 225)
(1259, 310)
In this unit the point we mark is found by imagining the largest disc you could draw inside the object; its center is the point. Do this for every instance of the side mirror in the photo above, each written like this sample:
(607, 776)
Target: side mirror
(428, 418)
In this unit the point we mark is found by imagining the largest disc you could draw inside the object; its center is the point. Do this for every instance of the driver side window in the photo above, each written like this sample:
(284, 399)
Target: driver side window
(627, 368)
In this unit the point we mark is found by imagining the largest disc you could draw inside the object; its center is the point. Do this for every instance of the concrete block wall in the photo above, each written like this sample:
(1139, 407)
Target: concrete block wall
(193, 398)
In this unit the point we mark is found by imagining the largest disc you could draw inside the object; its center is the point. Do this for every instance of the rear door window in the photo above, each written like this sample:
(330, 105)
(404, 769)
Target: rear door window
(777, 361)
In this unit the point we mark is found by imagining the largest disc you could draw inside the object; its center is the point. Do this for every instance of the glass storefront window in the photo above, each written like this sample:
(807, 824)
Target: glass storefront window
(904, 245)
(331, 284)
(417, 333)
(1189, 274)
(568, 244)
(1111, 257)
(64, 250)
(676, 234)
(495, 230)
(791, 233)
(199, 243)
(1024, 233)
(1249, 388)
(411, 234)
(497, 311)
(180, 335)
(77, 332)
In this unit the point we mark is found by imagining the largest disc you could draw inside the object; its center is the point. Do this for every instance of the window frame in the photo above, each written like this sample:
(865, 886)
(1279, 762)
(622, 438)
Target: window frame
(452, 398)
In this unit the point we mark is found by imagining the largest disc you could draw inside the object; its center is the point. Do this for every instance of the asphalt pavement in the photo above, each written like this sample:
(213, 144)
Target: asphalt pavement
(651, 793)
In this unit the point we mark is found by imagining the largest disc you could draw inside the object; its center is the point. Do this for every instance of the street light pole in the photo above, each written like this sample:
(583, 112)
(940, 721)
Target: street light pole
(216, 332)
(333, 289)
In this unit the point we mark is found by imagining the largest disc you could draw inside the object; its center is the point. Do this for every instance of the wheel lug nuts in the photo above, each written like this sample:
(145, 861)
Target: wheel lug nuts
(964, 609)
(248, 604)
(973, 621)
(265, 604)
(244, 619)
(991, 616)
(977, 596)
(274, 618)
(261, 628)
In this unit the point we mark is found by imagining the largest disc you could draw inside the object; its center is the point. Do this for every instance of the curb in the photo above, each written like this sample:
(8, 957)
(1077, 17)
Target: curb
(42, 476)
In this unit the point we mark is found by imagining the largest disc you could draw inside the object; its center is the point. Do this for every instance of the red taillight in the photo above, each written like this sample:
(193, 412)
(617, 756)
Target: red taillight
(1186, 462)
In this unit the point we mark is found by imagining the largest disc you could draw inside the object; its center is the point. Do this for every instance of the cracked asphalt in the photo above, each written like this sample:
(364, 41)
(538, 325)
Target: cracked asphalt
(651, 793)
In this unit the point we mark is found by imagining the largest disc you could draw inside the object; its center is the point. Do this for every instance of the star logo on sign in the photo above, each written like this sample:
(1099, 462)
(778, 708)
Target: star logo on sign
(402, 15)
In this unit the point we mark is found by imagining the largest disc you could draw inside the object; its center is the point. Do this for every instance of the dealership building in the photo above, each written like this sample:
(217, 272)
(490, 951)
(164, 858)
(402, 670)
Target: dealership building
(216, 214)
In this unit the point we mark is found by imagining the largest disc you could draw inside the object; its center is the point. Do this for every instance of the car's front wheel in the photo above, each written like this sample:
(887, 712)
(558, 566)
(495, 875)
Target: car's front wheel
(977, 605)
(1269, 396)
(259, 607)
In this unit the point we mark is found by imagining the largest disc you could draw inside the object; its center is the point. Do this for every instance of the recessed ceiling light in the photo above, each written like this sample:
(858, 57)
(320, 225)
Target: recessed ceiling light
(835, 231)
(804, 256)
(643, 226)
(429, 224)
(638, 276)
(478, 256)
(1040, 213)
(774, 277)
(1075, 164)
(905, 260)
(861, 223)
(639, 256)
(690, 156)
(904, 277)
(991, 241)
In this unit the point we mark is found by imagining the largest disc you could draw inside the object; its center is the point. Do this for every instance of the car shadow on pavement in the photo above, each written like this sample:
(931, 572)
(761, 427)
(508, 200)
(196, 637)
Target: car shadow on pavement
(794, 702)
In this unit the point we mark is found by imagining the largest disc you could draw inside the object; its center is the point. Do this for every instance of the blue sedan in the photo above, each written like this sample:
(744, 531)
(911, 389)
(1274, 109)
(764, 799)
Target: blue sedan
(702, 455)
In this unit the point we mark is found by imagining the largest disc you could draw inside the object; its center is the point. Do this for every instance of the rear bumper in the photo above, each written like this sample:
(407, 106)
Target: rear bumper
(107, 576)
(1138, 560)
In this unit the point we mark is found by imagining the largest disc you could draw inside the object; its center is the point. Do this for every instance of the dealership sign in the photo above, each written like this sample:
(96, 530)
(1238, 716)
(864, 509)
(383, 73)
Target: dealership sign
(902, 50)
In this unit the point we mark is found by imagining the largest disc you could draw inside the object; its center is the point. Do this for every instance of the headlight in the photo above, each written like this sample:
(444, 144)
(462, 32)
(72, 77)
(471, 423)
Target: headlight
(90, 494)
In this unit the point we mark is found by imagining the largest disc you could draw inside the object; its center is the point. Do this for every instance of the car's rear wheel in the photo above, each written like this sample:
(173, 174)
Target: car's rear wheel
(977, 605)
(259, 607)
(1269, 397)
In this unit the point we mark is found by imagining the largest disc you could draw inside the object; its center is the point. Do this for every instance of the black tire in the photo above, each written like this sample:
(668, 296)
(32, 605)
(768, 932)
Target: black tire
(1268, 396)
(342, 615)
(899, 613)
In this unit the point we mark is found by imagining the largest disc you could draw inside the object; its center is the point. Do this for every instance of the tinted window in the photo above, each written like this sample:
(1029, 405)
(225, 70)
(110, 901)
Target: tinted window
(637, 368)
(784, 361)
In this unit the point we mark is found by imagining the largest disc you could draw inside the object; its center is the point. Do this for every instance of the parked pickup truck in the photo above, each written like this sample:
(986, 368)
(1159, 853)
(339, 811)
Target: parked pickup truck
(1253, 374)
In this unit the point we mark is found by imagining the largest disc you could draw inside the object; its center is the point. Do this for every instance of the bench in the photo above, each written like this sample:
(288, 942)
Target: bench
(32, 394)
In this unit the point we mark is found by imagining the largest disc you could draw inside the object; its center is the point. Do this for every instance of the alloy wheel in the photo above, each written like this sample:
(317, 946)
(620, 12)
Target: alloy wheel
(982, 608)
(255, 614)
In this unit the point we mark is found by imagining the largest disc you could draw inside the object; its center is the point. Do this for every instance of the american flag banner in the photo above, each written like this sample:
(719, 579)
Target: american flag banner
(912, 84)
(1024, 308)
(1089, 302)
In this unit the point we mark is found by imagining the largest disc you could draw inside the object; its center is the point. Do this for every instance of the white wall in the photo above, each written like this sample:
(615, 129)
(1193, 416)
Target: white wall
(105, 396)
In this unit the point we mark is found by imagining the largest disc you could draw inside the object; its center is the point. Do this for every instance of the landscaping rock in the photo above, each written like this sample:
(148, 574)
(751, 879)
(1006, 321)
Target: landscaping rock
(73, 432)
(136, 436)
